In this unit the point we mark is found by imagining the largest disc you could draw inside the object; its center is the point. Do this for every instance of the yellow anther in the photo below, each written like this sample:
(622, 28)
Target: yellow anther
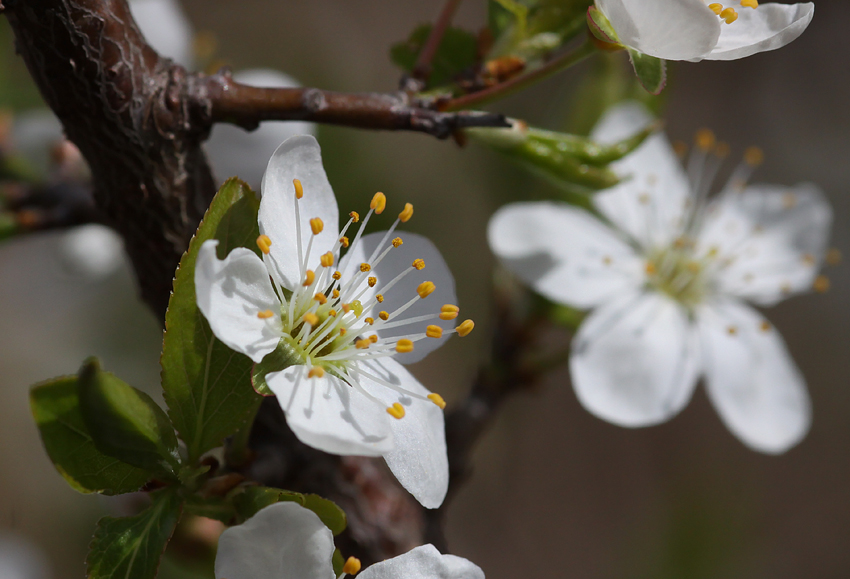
(721, 150)
(607, 260)
(644, 198)
(405, 215)
(346, 308)
(809, 259)
(425, 289)
(342, 331)
(765, 326)
(327, 259)
(680, 148)
(650, 268)
(355, 217)
(309, 277)
(449, 312)
(372, 281)
(404, 346)
(337, 275)
(369, 321)
(311, 318)
(729, 15)
(379, 203)
(317, 225)
(380, 298)
(753, 156)
(332, 313)
(419, 264)
(321, 298)
(833, 256)
(384, 316)
(352, 566)
(821, 284)
(264, 243)
(732, 330)
(335, 293)
(362, 344)
(705, 140)
(397, 242)
(464, 329)
(750, 3)
(364, 267)
(344, 241)
(373, 338)
(299, 189)
(437, 399)
(713, 251)
(396, 411)
(434, 331)
(716, 8)
(265, 314)
(316, 372)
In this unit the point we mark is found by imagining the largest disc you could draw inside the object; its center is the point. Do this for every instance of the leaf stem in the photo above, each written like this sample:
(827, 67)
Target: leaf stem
(422, 68)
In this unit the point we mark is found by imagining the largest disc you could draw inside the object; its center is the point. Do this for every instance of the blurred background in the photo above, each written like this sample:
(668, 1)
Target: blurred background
(555, 492)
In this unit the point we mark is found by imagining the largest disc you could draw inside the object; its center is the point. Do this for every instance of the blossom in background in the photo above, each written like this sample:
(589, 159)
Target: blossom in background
(667, 273)
(21, 559)
(287, 541)
(703, 30)
(345, 326)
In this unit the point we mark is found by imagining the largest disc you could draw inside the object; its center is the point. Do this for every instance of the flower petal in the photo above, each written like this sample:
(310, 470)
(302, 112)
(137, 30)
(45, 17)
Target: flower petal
(231, 292)
(424, 562)
(565, 253)
(651, 200)
(771, 240)
(328, 414)
(396, 261)
(768, 27)
(233, 151)
(282, 541)
(668, 29)
(299, 158)
(751, 379)
(635, 361)
(166, 28)
(419, 460)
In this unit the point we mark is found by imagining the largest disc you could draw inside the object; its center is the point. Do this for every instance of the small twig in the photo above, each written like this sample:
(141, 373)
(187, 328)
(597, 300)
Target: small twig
(422, 69)
(519, 82)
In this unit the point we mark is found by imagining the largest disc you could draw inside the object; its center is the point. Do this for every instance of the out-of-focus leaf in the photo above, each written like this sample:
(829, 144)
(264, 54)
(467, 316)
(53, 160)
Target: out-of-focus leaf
(216, 508)
(253, 498)
(126, 423)
(55, 407)
(457, 52)
(207, 385)
(338, 562)
(651, 71)
(131, 547)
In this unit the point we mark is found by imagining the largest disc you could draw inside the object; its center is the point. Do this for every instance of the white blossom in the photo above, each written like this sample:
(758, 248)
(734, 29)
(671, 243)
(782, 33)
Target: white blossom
(667, 273)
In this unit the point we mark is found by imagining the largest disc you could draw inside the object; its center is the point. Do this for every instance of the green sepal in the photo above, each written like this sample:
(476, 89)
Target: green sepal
(280, 359)
(251, 499)
(651, 71)
(126, 423)
(457, 52)
(338, 562)
(206, 385)
(55, 408)
(131, 547)
(601, 27)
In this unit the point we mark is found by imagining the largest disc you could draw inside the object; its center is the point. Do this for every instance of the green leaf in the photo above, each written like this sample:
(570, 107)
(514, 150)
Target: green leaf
(338, 562)
(131, 547)
(207, 385)
(253, 498)
(55, 407)
(457, 52)
(651, 71)
(126, 423)
(280, 359)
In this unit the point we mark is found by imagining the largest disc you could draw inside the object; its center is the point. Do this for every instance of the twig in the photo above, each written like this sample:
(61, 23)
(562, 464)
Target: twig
(422, 69)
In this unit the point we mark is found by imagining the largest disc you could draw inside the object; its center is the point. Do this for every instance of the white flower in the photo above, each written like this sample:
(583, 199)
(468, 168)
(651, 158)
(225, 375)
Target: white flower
(287, 541)
(701, 29)
(667, 273)
(339, 323)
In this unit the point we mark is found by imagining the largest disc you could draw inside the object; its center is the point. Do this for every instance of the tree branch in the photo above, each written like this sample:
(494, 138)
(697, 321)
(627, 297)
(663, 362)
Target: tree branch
(422, 68)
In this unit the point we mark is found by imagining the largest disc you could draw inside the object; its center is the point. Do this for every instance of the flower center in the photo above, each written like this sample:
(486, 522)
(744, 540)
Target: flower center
(729, 14)
(676, 272)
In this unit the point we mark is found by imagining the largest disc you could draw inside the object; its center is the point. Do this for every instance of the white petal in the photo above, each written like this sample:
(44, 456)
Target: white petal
(668, 29)
(166, 28)
(419, 460)
(752, 380)
(299, 158)
(415, 246)
(565, 253)
(424, 562)
(650, 201)
(635, 361)
(776, 238)
(230, 294)
(282, 541)
(768, 27)
(328, 414)
(233, 151)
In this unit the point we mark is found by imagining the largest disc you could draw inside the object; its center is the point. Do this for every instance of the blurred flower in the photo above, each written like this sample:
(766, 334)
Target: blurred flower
(667, 273)
(93, 251)
(287, 541)
(700, 29)
(20, 559)
(342, 391)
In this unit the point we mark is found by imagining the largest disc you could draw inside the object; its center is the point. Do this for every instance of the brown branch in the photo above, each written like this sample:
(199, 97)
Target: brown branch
(422, 69)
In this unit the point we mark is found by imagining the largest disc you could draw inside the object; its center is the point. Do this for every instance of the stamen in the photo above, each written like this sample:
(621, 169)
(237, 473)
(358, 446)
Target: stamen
(434, 331)
(438, 400)
(327, 260)
(299, 189)
(265, 314)
(419, 264)
(407, 213)
(373, 338)
(404, 346)
(372, 281)
(732, 330)
(337, 276)
(750, 4)
(316, 372)
(332, 313)
(342, 331)
(369, 321)
(317, 225)
(384, 316)
(821, 284)
(352, 566)
(379, 298)
(396, 411)
(765, 326)
(425, 289)
(335, 293)
(309, 277)
(753, 156)
(379, 203)
(364, 267)
(729, 15)
(464, 329)
(355, 217)
(449, 312)
(344, 241)
(264, 242)
(321, 298)
(311, 318)
(397, 242)
(362, 344)
(705, 138)
(716, 8)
